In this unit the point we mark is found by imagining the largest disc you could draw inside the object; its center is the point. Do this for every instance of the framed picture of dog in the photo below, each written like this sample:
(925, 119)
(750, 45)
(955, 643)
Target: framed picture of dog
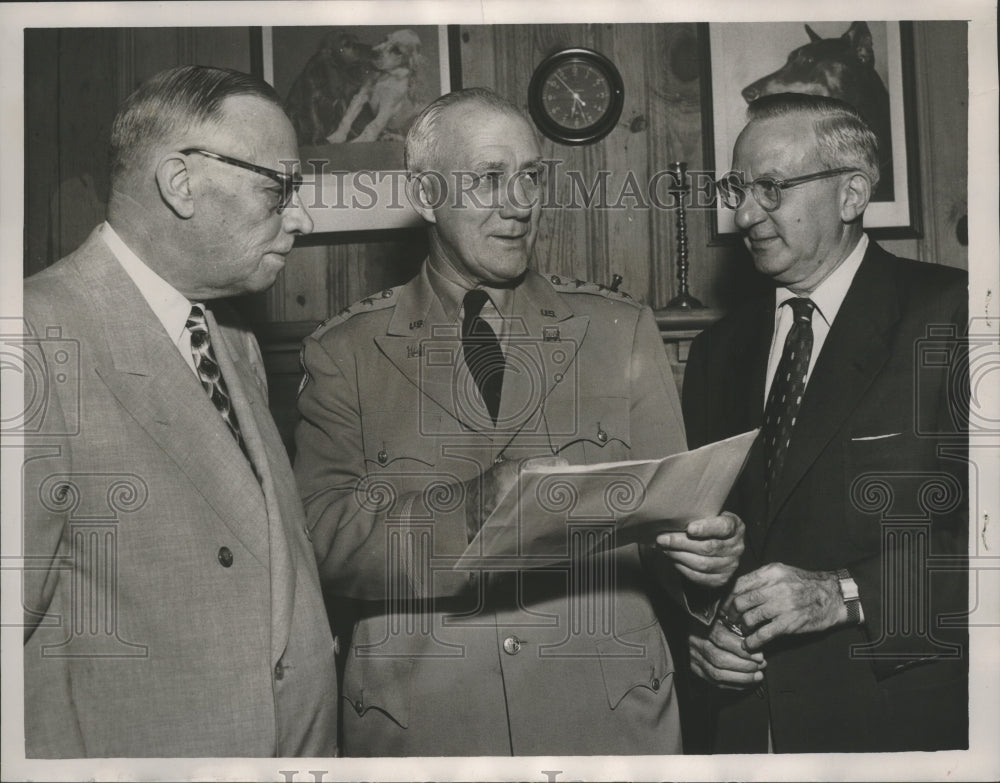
(867, 64)
(352, 93)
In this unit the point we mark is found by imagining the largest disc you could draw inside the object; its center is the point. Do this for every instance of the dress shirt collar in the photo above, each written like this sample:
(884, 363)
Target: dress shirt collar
(170, 306)
(829, 294)
(450, 289)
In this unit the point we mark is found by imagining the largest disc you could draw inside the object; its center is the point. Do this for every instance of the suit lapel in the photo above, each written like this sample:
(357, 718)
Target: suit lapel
(546, 337)
(424, 346)
(746, 373)
(150, 379)
(251, 409)
(855, 350)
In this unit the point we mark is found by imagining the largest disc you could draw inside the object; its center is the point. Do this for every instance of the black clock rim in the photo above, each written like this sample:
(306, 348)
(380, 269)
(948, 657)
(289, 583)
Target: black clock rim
(593, 132)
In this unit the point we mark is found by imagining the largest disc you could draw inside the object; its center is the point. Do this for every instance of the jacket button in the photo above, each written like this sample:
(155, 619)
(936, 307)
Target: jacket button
(359, 707)
(512, 645)
(655, 683)
(602, 436)
(225, 557)
(279, 671)
(382, 457)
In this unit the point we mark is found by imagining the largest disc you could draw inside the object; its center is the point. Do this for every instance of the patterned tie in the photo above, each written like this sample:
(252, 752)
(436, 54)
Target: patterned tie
(482, 352)
(209, 372)
(785, 398)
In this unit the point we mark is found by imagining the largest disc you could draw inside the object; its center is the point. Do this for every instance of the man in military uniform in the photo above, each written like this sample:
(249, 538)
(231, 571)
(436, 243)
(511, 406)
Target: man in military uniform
(418, 407)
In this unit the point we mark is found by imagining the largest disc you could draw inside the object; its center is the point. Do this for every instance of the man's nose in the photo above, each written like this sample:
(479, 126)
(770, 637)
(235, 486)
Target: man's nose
(749, 213)
(295, 218)
(518, 198)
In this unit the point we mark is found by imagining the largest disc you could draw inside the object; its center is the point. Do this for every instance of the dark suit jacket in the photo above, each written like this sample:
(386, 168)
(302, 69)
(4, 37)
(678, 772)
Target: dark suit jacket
(173, 606)
(875, 482)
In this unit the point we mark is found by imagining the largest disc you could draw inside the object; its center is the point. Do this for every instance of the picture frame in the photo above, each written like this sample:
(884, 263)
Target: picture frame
(738, 55)
(351, 92)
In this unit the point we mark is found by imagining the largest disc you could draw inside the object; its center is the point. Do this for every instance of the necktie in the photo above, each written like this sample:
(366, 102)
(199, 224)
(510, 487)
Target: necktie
(209, 373)
(785, 397)
(482, 352)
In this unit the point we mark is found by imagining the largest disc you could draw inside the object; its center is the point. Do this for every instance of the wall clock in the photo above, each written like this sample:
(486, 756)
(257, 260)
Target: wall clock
(576, 96)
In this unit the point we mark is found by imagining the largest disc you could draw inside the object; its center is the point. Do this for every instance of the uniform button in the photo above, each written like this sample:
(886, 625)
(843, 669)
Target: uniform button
(602, 436)
(279, 671)
(656, 683)
(225, 557)
(359, 707)
(382, 457)
(512, 645)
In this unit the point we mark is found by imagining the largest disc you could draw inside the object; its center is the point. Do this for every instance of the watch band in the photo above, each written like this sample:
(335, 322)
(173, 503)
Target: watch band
(851, 596)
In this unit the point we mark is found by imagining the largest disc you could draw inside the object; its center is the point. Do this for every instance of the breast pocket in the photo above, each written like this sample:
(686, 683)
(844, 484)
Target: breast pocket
(600, 432)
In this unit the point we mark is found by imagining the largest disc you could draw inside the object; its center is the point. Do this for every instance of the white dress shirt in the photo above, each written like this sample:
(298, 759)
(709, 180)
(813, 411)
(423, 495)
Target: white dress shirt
(828, 297)
(169, 305)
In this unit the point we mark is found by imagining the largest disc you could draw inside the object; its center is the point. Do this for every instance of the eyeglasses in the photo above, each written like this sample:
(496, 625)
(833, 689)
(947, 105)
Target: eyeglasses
(766, 190)
(289, 183)
(487, 186)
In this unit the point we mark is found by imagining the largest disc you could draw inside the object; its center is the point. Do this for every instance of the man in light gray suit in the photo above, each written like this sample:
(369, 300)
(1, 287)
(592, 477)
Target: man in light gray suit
(172, 605)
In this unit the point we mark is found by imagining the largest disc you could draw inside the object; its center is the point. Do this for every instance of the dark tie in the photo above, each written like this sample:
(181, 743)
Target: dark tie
(785, 397)
(209, 373)
(482, 352)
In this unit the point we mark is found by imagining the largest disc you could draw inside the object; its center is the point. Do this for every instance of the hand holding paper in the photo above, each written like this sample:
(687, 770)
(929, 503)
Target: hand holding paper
(617, 503)
(708, 551)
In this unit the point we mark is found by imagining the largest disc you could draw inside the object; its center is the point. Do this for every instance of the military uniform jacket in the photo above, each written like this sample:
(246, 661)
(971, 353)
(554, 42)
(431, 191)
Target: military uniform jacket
(563, 660)
(172, 601)
(875, 482)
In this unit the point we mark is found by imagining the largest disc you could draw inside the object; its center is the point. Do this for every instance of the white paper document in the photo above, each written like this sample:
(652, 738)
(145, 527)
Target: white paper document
(553, 513)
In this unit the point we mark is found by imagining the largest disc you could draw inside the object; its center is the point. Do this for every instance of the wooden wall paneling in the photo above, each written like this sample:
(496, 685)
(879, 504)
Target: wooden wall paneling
(943, 113)
(223, 47)
(41, 143)
(86, 105)
(478, 44)
(305, 285)
(675, 135)
(626, 157)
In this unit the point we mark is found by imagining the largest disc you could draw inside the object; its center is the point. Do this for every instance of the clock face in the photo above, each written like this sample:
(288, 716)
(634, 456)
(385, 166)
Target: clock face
(576, 96)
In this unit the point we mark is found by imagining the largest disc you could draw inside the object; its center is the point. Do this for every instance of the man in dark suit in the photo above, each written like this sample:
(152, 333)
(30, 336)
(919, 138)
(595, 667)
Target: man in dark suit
(172, 603)
(418, 406)
(834, 636)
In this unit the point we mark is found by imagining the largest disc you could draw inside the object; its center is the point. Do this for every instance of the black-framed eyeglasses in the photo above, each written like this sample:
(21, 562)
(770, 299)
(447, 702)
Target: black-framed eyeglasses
(289, 183)
(766, 191)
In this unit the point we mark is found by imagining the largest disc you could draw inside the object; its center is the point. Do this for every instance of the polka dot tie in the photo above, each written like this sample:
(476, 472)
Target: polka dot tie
(209, 373)
(787, 388)
(482, 352)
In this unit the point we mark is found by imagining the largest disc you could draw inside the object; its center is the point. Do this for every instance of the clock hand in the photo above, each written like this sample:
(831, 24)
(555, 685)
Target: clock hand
(575, 94)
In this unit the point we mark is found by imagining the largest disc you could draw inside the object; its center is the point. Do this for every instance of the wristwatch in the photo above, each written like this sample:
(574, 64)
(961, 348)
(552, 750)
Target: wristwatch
(852, 598)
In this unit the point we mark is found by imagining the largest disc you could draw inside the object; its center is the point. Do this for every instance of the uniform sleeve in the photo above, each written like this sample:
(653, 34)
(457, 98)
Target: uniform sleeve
(364, 545)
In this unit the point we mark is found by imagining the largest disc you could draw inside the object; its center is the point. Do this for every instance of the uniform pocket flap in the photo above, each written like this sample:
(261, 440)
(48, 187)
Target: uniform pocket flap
(385, 686)
(636, 659)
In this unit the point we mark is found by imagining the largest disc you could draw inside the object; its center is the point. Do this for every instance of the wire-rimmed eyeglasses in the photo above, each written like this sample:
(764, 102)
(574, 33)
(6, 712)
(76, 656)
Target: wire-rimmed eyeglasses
(766, 191)
(289, 183)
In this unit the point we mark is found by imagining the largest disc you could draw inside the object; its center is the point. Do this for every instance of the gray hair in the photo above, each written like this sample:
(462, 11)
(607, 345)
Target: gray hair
(172, 101)
(842, 135)
(422, 138)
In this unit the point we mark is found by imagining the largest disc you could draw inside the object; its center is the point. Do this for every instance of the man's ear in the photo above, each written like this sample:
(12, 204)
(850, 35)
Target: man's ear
(425, 192)
(854, 197)
(173, 179)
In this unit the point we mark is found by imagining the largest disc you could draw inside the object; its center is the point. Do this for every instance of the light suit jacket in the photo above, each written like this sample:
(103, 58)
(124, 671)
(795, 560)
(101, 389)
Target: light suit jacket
(875, 482)
(562, 660)
(172, 601)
